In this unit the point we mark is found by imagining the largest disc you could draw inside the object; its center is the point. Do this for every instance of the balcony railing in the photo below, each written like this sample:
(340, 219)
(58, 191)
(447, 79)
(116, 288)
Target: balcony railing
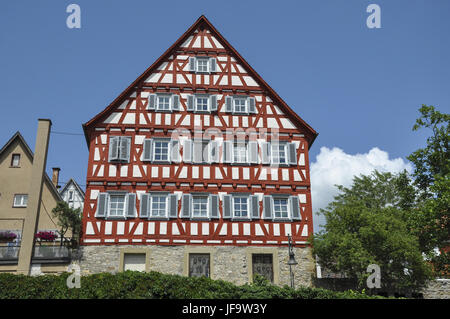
(44, 252)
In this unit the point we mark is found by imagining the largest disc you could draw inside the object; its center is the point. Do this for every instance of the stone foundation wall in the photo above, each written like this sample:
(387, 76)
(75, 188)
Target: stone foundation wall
(437, 289)
(228, 263)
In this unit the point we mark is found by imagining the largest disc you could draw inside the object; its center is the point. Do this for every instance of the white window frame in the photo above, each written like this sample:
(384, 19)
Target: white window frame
(154, 150)
(287, 206)
(166, 213)
(194, 197)
(196, 98)
(13, 157)
(235, 99)
(233, 202)
(23, 200)
(235, 146)
(197, 66)
(277, 161)
(158, 107)
(111, 195)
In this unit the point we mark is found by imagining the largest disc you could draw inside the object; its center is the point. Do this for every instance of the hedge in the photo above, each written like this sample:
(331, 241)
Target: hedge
(154, 285)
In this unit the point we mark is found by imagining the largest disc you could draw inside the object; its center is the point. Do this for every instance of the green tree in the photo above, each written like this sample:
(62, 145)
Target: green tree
(68, 219)
(430, 221)
(365, 224)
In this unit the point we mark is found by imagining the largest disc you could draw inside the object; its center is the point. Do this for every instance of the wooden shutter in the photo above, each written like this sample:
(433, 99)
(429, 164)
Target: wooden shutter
(144, 209)
(253, 152)
(214, 206)
(147, 152)
(251, 105)
(197, 152)
(187, 151)
(114, 142)
(212, 65)
(175, 151)
(213, 103)
(173, 206)
(295, 208)
(102, 205)
(175, 102)
(229, 104)
(292, 154)
(125, 145)
(192, 64)
(151, 102)
(267, 207)
(214, 150)
(186, 206)
(190, 102)
(226, 207)
(227, 151)
(265, 153)
(254, 204)
(131, 205)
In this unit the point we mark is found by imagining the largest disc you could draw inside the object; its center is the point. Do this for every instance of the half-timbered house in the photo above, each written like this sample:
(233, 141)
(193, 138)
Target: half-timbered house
(199, 168)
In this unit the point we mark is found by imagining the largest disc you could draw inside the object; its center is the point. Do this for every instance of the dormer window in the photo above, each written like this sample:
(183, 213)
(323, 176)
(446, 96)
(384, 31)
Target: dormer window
(15, 160)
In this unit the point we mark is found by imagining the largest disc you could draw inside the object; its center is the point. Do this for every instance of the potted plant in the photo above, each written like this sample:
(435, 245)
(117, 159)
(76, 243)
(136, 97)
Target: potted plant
(7, 236)
(45, 251)
(46, 236)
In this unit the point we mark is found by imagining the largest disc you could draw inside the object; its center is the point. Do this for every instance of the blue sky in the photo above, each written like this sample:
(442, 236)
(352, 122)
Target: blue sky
(360, 88)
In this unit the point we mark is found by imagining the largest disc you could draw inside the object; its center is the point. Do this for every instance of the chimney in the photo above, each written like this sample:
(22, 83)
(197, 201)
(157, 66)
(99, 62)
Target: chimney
(55, 177)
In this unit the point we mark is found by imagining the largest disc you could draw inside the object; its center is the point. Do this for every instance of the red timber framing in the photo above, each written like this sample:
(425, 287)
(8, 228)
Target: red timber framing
(132, 115)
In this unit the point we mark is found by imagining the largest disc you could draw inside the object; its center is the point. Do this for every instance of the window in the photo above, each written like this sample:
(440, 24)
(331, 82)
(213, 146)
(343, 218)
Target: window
(116, 205)
(199, 265)
(163, 103)
(262, 264)
(134, 261)
(200, 206)
(202, 65)
(280, 207)
(201, 103)
(159, 205)
(240, 152)
(20, 200)
(161, 150)
(15, 160)
(119, 148)
(240, 207)
(240, 105)
(279, 154)
(70, 195)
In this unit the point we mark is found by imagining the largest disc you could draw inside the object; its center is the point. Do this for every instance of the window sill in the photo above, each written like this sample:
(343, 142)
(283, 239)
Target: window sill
(200, 219)
(156, 218)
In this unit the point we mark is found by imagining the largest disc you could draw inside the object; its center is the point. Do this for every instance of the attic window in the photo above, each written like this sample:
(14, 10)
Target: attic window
(202, 64)
(15, 160)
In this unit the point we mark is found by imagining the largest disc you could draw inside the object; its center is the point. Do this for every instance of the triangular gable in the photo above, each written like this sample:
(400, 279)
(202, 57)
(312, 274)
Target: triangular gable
(201, 35)
(17, 136)
(70, 182)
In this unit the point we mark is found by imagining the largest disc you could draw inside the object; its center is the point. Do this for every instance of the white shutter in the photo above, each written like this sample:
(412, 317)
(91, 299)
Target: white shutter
(213, 103)
(226, 207)
(147, 152)
(295, 207)
(102, 205)
(175, 102)
(214, 206)
(192, 64)
(187, 151)
(229, 104)
(151, 105)
(131, 205)
(175, 151)
(292, 154)
(251, 105)
(253, 152)
(265, 153)
(190, 102)
(254, 204)
(173, 206)
(186, 206)
(114, 142)
(197, 151)
(267, 207)
(227, 150)
(144, 209)
(212, 65)
(125, 145)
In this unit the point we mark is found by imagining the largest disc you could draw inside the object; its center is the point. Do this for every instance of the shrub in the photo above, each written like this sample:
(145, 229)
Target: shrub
(154, 285)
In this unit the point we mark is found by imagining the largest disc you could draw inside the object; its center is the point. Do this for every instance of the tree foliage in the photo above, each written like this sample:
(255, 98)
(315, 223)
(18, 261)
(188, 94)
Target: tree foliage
(430, 221)
(68, 219)
(365, 224)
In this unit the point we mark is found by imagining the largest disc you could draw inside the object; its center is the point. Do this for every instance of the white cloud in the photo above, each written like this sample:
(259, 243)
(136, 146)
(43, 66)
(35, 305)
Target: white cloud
(334, 166)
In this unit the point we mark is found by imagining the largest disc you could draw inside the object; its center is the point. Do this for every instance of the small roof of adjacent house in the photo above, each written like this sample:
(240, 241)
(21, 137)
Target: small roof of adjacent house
(72, 182)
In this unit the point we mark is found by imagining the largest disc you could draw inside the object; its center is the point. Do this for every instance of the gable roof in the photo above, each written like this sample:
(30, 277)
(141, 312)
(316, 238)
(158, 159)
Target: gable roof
(29, 152)
(311, 134)
(72, 181)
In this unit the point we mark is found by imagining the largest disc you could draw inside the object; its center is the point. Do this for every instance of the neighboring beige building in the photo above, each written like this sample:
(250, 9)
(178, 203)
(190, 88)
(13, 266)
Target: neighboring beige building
(16, 159)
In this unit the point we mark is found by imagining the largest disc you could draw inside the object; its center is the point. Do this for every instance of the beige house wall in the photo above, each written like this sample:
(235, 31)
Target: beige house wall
(16, 180)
